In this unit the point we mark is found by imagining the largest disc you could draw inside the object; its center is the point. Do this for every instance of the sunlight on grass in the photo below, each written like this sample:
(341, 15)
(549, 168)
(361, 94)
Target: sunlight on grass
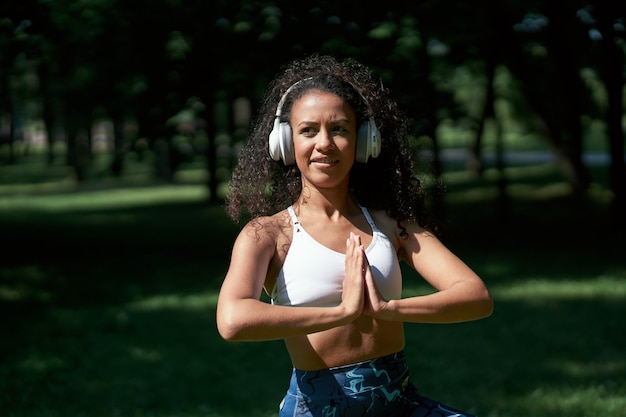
(57, 186)
(512, 173)
(175, 301)
(548, 191)
(592, 368)
(582, 401)
(114, 198)
(605, 287)
(192, 175)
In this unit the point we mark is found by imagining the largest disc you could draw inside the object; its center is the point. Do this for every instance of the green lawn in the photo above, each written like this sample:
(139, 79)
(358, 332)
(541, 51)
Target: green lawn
(107, 305)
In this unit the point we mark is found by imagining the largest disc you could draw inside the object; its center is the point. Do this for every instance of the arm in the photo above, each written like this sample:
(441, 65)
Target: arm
(461, 295)
(242, 316)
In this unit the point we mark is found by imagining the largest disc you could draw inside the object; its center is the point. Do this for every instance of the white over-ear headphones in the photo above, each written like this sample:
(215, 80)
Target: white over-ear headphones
(281, 143)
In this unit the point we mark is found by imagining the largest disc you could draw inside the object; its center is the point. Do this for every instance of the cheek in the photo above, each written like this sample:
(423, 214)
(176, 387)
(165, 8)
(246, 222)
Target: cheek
(346, 144)
(302, 146)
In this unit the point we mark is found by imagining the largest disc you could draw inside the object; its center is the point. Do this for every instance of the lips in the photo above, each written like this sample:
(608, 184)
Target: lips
(324, 161)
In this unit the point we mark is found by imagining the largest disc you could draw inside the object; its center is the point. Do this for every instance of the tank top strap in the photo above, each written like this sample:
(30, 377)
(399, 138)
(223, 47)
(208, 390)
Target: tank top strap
(294, 218)
(369, 219)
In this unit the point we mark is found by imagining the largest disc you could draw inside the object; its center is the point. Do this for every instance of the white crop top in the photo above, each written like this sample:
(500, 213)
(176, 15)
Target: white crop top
(312, 274)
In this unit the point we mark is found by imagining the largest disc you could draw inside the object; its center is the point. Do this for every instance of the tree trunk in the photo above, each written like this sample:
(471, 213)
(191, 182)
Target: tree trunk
(211, 151)
(119, 145)
(612, 72)
(569, 87)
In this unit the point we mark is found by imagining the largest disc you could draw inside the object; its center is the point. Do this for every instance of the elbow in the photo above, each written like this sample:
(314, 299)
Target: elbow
(226, 332)
(485, 304)
(228, 327)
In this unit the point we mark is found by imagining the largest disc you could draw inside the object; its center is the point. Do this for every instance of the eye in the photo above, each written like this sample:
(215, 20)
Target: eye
(339, 130)
(308, 131)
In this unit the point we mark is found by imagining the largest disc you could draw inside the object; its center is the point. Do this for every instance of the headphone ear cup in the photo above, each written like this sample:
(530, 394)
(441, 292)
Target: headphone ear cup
(287, 152)
(280, 144)
(368, 142)
(274, 141)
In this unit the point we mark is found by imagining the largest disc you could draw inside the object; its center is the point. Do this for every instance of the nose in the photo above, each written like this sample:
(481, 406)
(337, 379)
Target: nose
(325, 140)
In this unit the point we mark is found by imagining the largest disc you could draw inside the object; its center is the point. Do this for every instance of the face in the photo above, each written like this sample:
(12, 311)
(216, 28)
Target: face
(324, 138)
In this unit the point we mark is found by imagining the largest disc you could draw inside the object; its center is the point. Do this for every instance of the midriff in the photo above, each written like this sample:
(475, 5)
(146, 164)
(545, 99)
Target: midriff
(363, 339)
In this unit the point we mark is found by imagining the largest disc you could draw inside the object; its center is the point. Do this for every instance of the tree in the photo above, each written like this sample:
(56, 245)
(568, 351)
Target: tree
(145, 61)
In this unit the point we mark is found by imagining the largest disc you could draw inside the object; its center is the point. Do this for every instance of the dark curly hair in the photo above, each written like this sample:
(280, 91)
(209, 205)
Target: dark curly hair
(261, 186)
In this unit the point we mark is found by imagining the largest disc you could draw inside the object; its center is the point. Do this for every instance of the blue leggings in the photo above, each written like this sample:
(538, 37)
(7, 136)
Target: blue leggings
(375, 388)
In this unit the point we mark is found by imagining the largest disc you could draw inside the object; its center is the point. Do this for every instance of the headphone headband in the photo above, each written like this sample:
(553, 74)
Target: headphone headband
(281, 103)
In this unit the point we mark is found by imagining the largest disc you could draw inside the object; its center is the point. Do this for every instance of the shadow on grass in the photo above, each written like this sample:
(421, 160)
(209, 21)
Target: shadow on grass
(133, 361)
(112, 313)
(530, 359)
(162, 357)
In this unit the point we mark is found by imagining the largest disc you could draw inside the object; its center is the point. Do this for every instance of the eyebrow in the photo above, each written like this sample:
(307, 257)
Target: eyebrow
(337, 121)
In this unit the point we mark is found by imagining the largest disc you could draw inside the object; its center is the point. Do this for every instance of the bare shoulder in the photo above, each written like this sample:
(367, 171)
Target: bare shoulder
(264, 241)
(390, 226)
(267, 231)
(404, 236)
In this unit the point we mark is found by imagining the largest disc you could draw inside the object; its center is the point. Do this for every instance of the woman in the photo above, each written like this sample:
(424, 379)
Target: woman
(328, 180)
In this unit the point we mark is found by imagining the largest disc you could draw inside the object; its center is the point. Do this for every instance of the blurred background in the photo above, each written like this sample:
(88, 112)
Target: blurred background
(120, 123)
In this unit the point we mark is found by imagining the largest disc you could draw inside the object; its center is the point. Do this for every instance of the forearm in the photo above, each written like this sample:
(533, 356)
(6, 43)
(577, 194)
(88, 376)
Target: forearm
(461, 302)
(253, 320)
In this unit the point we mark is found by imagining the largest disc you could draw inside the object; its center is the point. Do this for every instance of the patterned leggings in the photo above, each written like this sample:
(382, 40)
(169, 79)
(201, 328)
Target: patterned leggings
(375, 388)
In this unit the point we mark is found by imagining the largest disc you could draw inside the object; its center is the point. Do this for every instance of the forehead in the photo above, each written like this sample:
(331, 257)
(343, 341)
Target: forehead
(314, 100)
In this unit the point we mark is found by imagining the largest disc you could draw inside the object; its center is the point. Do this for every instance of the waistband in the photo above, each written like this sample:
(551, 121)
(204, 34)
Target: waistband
(354, 378)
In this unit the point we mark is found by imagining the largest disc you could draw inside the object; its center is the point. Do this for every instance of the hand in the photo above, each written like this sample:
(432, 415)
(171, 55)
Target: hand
(374, 301)
(353, 297)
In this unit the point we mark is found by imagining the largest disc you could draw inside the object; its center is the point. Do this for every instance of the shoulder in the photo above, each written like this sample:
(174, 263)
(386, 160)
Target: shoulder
(401, 236)
(265, 241)
(266, 231)
(387, 225)
(382, 220)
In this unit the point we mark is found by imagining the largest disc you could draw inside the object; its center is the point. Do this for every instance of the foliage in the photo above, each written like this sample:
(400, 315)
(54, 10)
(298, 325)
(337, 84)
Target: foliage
(141, 62)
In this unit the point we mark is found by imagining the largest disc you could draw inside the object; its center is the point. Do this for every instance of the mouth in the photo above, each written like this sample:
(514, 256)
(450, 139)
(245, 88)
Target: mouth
(324, 161)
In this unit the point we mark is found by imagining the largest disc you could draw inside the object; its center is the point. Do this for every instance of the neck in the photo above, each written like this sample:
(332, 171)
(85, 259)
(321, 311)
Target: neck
(330, 202)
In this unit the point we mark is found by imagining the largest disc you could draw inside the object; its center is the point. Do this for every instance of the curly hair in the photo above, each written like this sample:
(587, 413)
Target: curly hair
(261, 186)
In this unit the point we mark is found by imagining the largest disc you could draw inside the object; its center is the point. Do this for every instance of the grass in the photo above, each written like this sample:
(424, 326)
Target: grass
(108, 292)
